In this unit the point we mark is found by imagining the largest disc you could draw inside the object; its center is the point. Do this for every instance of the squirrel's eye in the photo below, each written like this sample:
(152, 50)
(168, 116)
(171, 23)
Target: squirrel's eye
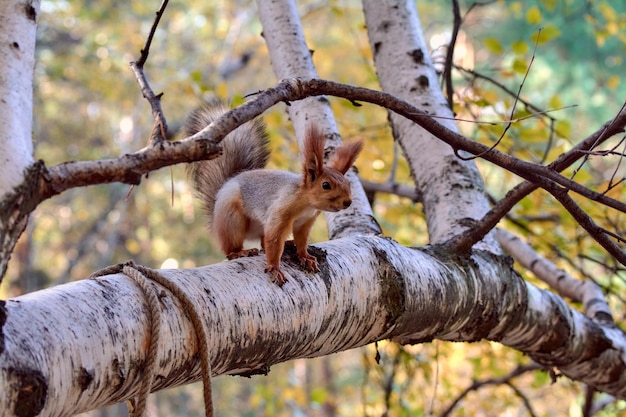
(326, 185)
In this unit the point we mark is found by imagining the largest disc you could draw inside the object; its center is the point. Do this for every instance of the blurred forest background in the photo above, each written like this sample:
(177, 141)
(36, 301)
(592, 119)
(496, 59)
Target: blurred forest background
(88, 106)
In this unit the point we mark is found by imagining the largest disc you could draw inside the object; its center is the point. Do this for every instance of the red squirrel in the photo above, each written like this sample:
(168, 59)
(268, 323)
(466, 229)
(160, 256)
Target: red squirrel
(245, 201)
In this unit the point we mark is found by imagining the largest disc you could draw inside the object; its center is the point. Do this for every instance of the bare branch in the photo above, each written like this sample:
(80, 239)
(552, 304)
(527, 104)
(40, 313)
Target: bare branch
(159, 131)
(599, 234)
(530, 106)
(392, 188)
(447, 70)
(129, 168)
(500, 209)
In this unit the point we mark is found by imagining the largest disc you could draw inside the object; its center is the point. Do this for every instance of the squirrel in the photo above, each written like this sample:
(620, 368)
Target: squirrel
(245, 201)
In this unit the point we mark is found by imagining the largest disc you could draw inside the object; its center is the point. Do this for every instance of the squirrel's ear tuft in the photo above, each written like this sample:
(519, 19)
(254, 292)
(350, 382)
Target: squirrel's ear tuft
(314, 141)
(345, 155)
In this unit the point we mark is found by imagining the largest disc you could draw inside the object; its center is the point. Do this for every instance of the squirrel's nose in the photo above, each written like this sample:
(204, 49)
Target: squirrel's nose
(346, 203)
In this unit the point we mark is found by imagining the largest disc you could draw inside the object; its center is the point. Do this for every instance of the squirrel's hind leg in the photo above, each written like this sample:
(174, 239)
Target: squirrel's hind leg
(229, 226)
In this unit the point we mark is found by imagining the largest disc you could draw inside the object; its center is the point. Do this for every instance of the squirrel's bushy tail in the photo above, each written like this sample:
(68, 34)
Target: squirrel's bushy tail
(245, 148)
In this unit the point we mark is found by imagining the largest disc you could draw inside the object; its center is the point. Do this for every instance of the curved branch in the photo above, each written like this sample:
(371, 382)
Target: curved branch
(45, 183)
(129, 168)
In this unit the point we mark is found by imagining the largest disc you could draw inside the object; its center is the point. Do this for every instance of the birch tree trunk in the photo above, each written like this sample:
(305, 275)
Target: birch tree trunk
(17, 55)
(452, 189)
(18, 24)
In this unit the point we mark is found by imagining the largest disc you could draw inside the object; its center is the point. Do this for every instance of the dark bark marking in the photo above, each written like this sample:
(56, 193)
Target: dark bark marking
(323, 99)
(84, 378)
(417, 55)
(30, 12)
(3, 319)
(377, 46)
(393, 288)
(32, 391)
(263, 370)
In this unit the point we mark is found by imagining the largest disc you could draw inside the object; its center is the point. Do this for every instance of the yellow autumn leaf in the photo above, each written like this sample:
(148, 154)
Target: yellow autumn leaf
(613, 82)
(493, 45)
(221, 90)
(563, 128)
(533, 15)
(520, 66)
(546, 34)
(555, 102)
(607, 11)
(516, 7)
(549, 4)
(519, 47)
(490, 97)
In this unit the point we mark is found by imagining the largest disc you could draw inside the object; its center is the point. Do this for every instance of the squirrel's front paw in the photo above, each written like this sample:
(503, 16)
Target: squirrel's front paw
(276, 275)
(309, 263)
(242, 254)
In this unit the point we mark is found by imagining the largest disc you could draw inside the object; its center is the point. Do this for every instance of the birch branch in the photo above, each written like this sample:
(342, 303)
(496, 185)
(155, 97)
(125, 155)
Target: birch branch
(586, 292)
(82, 345)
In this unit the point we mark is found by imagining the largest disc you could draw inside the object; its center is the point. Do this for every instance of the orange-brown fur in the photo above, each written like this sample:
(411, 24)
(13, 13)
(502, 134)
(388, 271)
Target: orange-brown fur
(251, 203)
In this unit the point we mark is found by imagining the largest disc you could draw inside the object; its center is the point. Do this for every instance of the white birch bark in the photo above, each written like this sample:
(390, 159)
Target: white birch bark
(291, 58)
(587, 292)
(18, 24)
(451, 189)
(82, 345)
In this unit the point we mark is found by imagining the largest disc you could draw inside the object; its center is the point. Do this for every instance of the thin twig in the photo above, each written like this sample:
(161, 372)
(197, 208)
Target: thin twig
(476, 385)
(447, 69)
(159, 131)
(449, 62)
(504, 206)
(523, 397)
(597, 233)
(586, 157)
(527, 104)
(513, 108)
